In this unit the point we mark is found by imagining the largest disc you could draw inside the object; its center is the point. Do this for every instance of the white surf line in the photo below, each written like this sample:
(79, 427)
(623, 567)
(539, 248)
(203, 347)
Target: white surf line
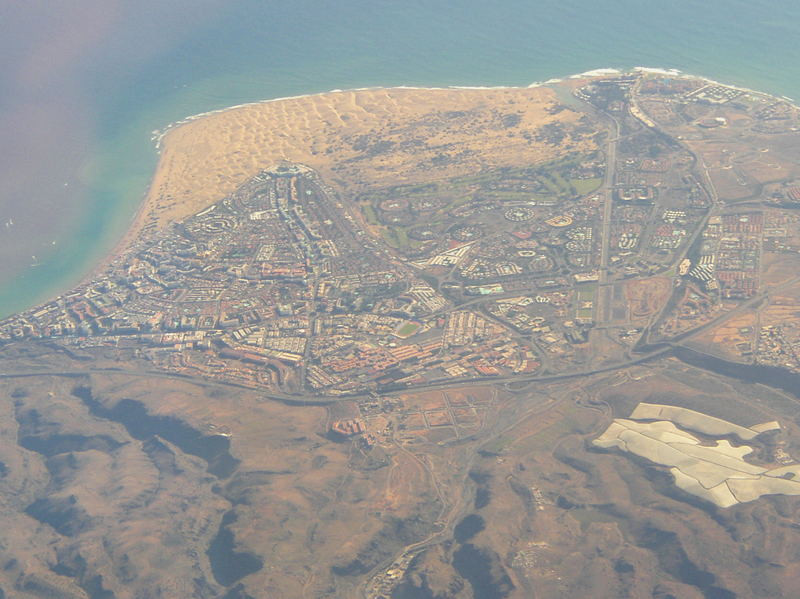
(158, 134)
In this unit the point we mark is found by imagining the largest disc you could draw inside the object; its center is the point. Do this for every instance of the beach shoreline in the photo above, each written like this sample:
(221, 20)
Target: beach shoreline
(161, 141)
(161, 137)
(157, 136)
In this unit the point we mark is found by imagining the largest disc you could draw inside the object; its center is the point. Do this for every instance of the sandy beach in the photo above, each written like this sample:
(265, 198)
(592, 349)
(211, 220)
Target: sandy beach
(355, 139)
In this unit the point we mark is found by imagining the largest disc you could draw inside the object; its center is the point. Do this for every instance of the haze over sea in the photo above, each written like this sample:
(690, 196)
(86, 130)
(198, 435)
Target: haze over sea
(83, 84)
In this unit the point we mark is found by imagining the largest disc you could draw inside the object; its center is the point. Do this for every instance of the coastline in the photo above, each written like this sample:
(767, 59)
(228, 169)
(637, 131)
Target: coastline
(157, 135)
(337, 120)
(143, 216)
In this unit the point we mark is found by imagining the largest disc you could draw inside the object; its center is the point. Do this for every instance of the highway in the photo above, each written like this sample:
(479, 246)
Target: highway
(310, 400)
(746, 305)
(650, 352)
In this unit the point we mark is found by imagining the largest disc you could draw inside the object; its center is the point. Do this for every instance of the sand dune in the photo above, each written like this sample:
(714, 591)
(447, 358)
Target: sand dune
(355, 139)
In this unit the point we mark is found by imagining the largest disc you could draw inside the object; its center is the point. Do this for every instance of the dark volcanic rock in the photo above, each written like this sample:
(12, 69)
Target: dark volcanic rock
(227, 564)
(63, 514)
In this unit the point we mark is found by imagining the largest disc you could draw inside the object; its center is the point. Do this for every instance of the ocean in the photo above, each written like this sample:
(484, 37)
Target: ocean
(82, 90)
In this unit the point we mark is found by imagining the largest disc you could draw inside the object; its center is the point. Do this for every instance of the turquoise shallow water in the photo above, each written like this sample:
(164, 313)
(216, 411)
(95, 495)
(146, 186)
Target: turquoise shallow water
(205, 55)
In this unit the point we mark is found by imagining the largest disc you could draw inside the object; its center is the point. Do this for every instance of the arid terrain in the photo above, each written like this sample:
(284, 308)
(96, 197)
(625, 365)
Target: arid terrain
(126, 484)
(355, 139)
(391, 344)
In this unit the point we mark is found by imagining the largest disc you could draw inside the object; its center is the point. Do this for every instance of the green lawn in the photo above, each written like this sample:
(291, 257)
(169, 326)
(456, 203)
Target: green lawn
(510, 196)
(369, 214)
(398, 239)
(408, 329)
(585, 186)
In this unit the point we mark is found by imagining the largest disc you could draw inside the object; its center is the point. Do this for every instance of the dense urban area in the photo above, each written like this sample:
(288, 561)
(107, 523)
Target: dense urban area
(531, 271)
(457, 336)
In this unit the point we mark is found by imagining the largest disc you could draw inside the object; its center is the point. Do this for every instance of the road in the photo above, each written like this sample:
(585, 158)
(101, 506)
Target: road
(746, 305)
(602, 300)
(608, 203)
(300, 400)
(650, 352)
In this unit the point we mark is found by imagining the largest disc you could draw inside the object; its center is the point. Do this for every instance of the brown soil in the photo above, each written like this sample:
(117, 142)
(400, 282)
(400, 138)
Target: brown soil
(364, 137)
